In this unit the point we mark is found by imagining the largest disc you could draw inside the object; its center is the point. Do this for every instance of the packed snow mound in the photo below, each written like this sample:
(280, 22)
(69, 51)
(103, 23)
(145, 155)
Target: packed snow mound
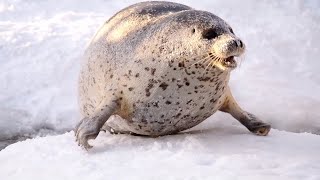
(211, 153)
(42, 42)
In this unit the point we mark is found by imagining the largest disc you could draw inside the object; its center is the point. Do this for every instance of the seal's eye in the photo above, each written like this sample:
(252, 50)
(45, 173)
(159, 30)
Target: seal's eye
(193, 30)
(231, 30)
(209, 34)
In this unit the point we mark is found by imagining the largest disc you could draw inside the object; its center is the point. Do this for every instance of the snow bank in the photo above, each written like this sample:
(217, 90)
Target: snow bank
(42, 41)
(212, 153)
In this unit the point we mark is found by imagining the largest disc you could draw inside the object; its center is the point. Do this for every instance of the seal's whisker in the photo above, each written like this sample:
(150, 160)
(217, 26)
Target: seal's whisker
(217, 59)
(210, 65)
(241, 58)
(205, 58)
(201, 60)
(211, 62)
(204, 72)
(207, 61)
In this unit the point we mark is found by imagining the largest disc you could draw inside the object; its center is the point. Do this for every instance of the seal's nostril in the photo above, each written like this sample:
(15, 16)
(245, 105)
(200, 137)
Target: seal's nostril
(241, 44)
(235, 43)
(238, 43)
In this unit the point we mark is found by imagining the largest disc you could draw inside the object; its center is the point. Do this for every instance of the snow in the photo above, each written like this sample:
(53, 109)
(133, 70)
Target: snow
(42, 41)
(210, 153)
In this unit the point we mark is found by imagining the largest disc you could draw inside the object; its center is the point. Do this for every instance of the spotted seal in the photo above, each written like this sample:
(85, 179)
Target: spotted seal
(164, 68)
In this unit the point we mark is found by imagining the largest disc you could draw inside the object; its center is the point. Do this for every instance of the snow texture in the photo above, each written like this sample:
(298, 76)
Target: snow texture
(41, 44)
(218, 153)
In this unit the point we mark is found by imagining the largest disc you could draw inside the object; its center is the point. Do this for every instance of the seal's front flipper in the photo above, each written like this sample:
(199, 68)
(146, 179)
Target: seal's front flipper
(89, 127)
(251, 122)
(254, 124)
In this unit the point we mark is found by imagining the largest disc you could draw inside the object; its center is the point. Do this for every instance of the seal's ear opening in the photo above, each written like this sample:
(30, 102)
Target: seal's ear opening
(209, 34)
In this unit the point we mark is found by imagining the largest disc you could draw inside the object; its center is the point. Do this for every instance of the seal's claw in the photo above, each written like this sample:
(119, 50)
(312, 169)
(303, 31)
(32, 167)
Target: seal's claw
(263, 130)
(260, 128)
(83, 142)
(86, 129)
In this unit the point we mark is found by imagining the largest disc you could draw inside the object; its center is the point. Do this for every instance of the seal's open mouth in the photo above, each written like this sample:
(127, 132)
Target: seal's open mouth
(222, 63)
(229, 62)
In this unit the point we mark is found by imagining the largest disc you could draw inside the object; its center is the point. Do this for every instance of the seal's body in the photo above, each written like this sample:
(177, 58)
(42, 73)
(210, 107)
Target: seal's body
(164, 68)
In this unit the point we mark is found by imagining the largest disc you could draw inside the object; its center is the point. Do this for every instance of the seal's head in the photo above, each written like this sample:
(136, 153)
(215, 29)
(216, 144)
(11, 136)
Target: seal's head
(207, 37)
(221, 42)
(225, 47)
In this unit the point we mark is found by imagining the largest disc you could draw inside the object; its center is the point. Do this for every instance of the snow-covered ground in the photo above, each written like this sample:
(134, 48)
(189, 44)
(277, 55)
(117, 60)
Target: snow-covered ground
(42, 41)
(214, 153)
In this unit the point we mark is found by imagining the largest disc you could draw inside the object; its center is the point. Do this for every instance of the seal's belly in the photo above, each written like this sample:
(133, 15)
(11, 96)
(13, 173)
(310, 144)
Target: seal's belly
(175, 106)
